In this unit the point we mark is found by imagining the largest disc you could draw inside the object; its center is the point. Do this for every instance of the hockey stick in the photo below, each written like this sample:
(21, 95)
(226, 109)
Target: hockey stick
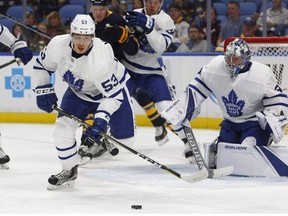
(193, 178)
(26, 26)
(18, 60)
(212, 173)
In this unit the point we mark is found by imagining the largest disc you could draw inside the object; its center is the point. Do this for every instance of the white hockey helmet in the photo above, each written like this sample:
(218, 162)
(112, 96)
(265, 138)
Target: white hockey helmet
(82, 24)
(237, 56)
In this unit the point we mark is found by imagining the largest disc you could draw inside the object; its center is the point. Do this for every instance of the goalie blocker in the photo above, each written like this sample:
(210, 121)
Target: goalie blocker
(248, 160)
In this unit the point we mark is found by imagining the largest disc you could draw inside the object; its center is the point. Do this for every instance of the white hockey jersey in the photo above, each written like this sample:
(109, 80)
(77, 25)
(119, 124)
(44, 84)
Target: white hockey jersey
(239, 98)
(152, 45)
(6, 37)
(91, 77)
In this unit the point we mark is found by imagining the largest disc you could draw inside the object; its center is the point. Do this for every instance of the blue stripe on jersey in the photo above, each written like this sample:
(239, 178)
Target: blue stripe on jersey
(277, 104)
(123, 79)
(278, 95)
(203, 84)
(114, 95)
(168, 41)
(42, 67)
(280, 166)
(197, 90)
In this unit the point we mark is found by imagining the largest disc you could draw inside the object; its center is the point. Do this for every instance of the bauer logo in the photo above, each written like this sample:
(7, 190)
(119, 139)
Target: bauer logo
(17, 82)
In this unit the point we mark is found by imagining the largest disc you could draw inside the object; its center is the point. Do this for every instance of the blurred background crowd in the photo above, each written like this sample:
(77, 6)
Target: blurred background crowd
(241, 18)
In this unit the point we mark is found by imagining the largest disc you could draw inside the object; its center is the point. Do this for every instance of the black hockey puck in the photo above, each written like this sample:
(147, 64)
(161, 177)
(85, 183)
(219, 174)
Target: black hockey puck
(114, 151)
(137, 207)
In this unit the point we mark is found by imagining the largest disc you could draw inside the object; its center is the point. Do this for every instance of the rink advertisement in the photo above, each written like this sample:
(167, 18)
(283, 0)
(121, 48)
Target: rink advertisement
(18, 101)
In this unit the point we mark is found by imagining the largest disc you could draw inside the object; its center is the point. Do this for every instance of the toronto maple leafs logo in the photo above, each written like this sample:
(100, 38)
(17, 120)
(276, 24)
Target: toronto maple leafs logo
(70, 79)
(233, 106)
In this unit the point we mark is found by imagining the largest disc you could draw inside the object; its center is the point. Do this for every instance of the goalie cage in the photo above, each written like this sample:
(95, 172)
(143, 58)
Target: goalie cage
(272, 51)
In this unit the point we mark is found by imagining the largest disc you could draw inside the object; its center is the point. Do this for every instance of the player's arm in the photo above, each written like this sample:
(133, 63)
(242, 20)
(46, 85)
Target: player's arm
(189, 104)
(160, 38)
(43, 68)
(18, 48)
(275, 109)
(120, 34)
(110, 84)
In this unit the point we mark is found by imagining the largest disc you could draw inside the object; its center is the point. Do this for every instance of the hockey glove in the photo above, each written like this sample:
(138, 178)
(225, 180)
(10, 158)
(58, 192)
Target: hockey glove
(20, 50)
(100, 124)
(46, 97)
(114, 34)
(135, 19)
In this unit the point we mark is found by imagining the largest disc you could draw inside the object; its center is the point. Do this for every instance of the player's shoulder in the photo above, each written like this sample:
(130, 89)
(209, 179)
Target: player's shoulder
(114, 18)
(261, 71)
(58, 40)
(163, 20)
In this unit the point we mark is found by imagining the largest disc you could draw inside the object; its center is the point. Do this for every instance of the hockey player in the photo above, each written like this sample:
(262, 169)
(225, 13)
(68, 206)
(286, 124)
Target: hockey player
(111, 28)
(97, 84)
(154, 30)
(19, 50)
(253, 107)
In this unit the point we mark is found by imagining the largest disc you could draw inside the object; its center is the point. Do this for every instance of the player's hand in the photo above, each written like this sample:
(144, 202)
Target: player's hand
(135, 19)
(21, 50)
(113, 33)
(99, 125)
(46, 97)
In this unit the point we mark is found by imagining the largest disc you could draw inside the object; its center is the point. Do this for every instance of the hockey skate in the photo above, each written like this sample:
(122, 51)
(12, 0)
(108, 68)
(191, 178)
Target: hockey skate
(64, 179)
(161, 135)
(90, 149)
(210, 158)
(4, 160)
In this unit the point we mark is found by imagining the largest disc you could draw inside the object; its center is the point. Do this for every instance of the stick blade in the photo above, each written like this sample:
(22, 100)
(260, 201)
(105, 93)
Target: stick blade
(202, 174)
(215, 173)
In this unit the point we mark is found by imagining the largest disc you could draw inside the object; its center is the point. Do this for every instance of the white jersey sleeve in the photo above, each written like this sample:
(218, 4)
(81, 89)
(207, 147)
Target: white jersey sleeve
(162, 35)
(6, 37)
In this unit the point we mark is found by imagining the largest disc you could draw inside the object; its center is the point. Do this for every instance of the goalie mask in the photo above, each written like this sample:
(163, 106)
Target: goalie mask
(237, 56)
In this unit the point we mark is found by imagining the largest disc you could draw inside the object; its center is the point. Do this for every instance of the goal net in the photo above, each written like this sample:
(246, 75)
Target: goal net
(272, 51)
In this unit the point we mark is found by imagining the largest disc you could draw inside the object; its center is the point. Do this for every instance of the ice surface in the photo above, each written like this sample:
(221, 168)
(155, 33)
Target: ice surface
(110, 185)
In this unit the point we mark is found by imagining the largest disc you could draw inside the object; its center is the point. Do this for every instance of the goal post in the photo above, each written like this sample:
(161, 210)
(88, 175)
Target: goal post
(273, 52)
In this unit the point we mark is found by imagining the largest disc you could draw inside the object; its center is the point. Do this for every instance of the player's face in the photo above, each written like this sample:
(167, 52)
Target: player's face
(152, 6)
(99, 12)
(233, 60)
(81, 43)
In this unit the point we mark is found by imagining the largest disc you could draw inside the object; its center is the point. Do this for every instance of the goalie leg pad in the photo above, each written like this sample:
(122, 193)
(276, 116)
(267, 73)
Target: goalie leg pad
(251, 160)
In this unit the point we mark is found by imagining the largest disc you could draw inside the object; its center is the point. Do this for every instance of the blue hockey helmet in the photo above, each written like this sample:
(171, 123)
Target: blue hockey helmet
(237, 56)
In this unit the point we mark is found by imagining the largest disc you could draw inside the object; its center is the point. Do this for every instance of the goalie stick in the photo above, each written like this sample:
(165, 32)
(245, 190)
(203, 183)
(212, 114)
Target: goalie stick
(192, 178)
(212, 173)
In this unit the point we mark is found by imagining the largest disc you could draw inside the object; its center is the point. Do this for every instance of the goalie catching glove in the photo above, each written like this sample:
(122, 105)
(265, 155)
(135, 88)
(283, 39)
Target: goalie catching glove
(276, 122)
(46, 97)
(100, 124)
(113, 33)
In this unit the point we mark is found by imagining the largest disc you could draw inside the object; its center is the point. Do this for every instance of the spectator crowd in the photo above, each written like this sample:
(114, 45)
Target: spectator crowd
(189, 17)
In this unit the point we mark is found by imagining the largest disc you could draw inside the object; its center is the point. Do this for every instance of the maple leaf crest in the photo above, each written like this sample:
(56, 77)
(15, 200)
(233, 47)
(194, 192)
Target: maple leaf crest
(233, 106)
(70, 79)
